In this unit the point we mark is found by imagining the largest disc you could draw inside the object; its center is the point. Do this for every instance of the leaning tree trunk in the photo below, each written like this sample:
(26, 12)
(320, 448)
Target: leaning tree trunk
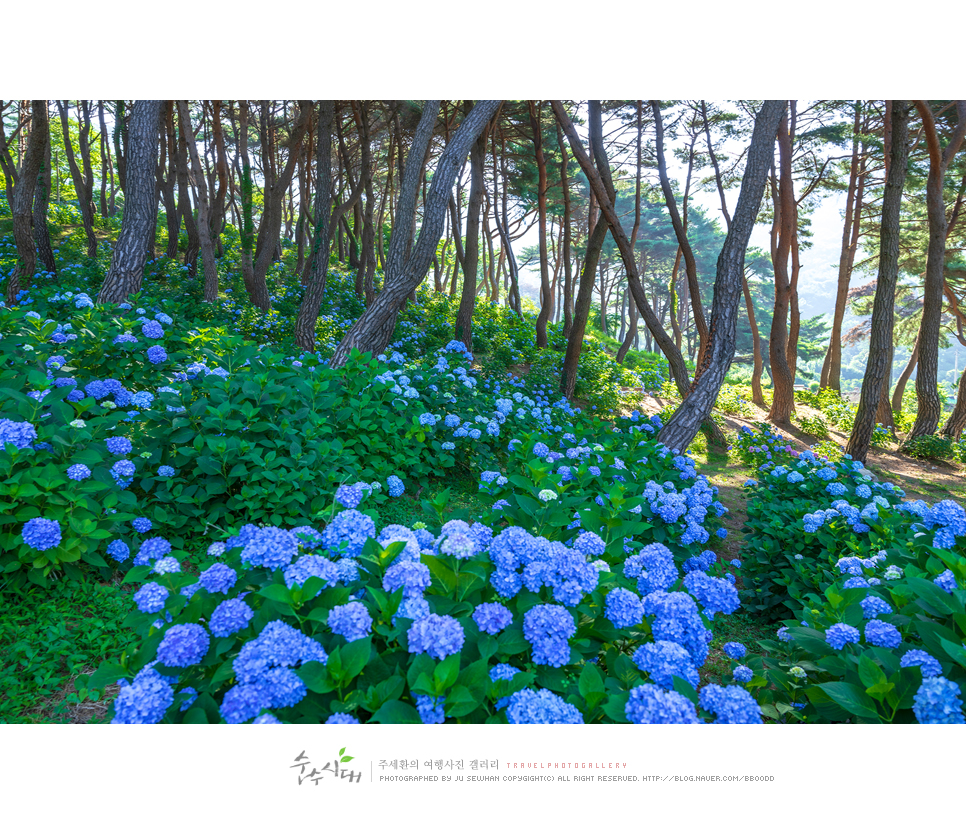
(471, 254)
(957, 419)
(140, 205)
(41, 201)
(83, 187)
(879, 363)
(373, 330)
(568, 287)
(585, 293)
(204, 219)
(710, 374)
(783, 403)
(166, 182)
(832, 367)
(257, 290)
(23, 199)
(927, 392)
(546, 296)
(904, 378)
(184, 197)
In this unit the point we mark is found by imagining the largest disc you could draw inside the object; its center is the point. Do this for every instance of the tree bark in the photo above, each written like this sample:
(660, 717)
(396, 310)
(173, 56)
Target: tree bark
(904, 378)
(832, 368)
(783, 403)
(45, 253)
(957, 419)
(140, 205)
(710, 373)
(373, 330)
(204, 220)
(83, 182)
(166, 181)
(879, 363)
(680, 228)
(23, 199)
(568, 286)
(927, 392)
(546, 298)
(464, 316)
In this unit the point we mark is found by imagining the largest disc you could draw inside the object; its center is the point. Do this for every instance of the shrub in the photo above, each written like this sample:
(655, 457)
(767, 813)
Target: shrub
(932, 447)
(813, 426)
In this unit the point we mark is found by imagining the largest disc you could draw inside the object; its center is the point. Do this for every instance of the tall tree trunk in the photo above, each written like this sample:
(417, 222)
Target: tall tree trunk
(904, 378)
(102, 140)
(216, 216)
(120, 137)
(757, 397)
(140, 205)
(82, 186)
(257, 290)
(783, 403)
(23, 198)
(373, 330)
(957, 419)
(546, 298)
(879, 363)
(568, 286)
(680, 227)
(503, 227)
(927, 392)
(204, 223)
(464, 316)
(184, 196)
(832, 368)
(166, 181)
(696, 406)
(631, 335)
(45, 253)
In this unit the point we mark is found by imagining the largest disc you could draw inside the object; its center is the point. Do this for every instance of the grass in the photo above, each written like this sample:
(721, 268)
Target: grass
(48, 638)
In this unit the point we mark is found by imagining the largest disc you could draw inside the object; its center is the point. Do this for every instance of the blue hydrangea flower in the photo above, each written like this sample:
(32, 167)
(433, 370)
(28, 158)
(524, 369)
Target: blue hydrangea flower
(938, 701)
(742, 674)
(731, 704)
(308, 566)
(118, 550)
(218, 579)
(183, 645)
(677, 620)
(141, 525)
(623, 608)
(503, 671)
(118, 445)
(548, 629)
(229, 617)
(152, 329)
(341, 718)
(150, 598)
(928, 664)
(278, 644)
(352, 621)
(267, 718)
(270, 547)
(349, 495)
(437, 635)
(165, 471)
(157, 354)
(947, 581)
(167, 565)
(651, 704)
(873, 606)
(430, 708)
(123, 473)
(492, 617)
(541, 706)
(347, 533)
(734, 650)
(412, 577)
(663, 661)
(653, 568)
(78, 472)
(839, 634)
(144, 701)
(412, 608)
(590, 545)
(396, 486)
(713, 593)
(151, 549)
(41, 534)
(879, 633)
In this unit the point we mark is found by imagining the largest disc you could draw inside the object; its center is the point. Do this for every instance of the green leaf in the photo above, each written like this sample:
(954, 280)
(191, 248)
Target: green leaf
(277, 593)
(851, 698)
(395, 711)
(869, 672)
(446, 672)
(355, 655)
